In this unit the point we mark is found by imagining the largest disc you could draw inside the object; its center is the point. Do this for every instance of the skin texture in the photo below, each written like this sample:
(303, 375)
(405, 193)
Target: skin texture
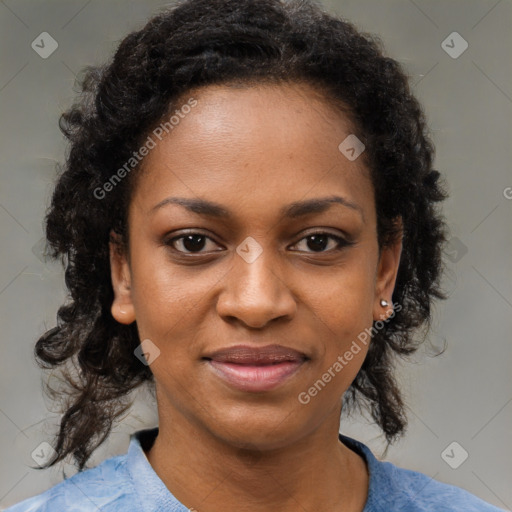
(254, 150)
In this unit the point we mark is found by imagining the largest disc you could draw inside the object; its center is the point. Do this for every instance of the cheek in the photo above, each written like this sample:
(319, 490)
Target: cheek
(345, 301)
(159, 297)
(170, 302)
(344, 314)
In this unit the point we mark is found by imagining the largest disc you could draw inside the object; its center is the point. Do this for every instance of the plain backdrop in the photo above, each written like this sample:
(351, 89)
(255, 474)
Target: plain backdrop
(462, 396)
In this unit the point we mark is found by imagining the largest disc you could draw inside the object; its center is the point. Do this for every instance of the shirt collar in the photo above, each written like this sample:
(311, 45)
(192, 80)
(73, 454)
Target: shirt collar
(382, 483)
(154, 495)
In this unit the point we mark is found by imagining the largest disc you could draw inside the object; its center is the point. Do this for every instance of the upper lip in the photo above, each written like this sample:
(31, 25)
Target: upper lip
(246, 354)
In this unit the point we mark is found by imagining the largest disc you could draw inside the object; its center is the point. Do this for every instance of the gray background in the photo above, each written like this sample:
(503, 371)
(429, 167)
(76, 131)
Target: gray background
(464, 395)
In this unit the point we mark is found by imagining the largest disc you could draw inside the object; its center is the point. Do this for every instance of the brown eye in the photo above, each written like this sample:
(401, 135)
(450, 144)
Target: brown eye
(318, 242)
(191, 243)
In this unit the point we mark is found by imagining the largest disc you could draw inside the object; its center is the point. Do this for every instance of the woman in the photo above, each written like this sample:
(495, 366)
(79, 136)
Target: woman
(248, 219)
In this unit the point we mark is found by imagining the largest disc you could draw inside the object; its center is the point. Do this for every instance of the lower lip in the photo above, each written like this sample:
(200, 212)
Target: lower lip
(255, 378)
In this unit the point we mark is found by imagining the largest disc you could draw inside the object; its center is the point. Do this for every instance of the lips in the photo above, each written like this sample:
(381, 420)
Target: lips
(244, 354)
(255, 369)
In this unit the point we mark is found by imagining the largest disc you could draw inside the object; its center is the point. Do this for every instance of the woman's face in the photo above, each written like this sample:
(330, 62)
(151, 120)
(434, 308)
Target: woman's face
(287, 256)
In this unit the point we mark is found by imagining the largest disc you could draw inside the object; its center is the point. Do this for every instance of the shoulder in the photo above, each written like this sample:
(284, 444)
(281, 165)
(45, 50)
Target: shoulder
(403, 490)
(106, 487)
(417, 492)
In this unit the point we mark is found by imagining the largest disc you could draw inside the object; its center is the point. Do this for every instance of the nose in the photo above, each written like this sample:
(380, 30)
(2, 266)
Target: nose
(256, 293)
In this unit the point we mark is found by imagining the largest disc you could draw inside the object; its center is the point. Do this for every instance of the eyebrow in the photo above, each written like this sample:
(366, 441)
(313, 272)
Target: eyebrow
(292, 211)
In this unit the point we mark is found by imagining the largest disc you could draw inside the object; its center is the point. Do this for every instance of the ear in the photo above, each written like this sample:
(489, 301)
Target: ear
(385, 278)
(122, 306)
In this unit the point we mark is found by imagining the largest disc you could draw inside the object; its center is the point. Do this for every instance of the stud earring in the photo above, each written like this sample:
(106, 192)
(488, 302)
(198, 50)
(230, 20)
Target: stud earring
(383, 303)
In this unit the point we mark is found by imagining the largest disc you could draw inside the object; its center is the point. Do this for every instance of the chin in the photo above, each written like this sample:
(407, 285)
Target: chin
(263, 433)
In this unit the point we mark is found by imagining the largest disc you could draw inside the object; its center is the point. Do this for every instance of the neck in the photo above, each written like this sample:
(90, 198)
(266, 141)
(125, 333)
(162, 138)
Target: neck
(208, 474)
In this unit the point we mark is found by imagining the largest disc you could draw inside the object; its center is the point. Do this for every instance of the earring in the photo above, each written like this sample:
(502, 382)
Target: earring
(383, 303)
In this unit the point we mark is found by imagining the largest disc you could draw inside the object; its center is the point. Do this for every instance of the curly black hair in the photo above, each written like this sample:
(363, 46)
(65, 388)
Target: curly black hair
(197, 43)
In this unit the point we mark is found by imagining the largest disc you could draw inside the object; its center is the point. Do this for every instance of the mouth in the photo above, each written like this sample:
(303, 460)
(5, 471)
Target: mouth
(255, 369)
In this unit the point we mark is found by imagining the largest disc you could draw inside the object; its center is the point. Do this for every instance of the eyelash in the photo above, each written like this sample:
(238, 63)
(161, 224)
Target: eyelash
(342, 243)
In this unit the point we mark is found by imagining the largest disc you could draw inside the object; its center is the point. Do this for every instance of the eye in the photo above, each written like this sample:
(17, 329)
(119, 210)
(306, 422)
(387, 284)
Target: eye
(194, 242)
(191, 242)
(320, 240)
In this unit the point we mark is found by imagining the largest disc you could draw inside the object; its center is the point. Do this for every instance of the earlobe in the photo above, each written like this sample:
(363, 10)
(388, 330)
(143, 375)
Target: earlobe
(122, 308)
(387, 272)
(123, 314)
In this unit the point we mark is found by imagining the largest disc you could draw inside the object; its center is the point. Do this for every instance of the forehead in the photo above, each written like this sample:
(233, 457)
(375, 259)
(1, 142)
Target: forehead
(273, 143)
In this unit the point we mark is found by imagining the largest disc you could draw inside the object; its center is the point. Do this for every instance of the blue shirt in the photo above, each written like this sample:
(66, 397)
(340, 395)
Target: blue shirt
(125, 483)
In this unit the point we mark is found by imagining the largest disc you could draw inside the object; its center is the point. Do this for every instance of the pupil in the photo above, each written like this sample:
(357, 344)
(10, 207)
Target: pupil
(319, 240)
(190, 245)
